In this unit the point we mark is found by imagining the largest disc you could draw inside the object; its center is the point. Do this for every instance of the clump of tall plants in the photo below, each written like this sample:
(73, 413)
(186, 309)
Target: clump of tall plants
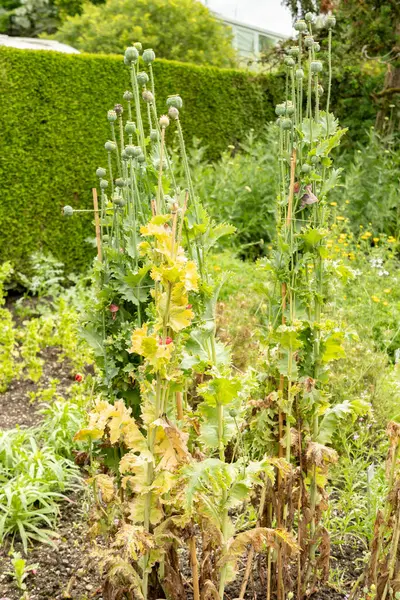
(173, 462)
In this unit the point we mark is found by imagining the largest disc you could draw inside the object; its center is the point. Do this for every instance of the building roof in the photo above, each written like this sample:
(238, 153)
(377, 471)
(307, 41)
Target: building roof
(266, 32)
(35, 44)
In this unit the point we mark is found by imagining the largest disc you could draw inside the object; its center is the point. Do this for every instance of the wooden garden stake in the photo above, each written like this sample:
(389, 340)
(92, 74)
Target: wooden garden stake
(194, 566)
(97, 223)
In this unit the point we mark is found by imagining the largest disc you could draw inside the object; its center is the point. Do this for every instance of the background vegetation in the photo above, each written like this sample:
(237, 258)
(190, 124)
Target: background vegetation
(53, 115)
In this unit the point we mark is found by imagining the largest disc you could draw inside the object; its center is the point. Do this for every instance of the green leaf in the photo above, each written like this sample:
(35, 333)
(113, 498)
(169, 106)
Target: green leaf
(311, 130)
(326, 120)
(325, 147)
(215, 232)
(332, 181)
(220, 390)
(312, 237)
(332, 347)
(337, 413)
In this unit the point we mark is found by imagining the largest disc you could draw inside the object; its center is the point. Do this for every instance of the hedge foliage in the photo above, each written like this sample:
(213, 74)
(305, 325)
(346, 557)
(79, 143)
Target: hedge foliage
(53, 128)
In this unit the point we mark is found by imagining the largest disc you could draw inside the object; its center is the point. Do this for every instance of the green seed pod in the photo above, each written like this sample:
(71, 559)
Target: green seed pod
(120, 182)
(233, 412)
(306, 168)
(111, 116)
(124, 155)
(141, 158)
(309, 17)
(103, 184)
(128, 96)
(130, 150)
(173, 113)
(316, 47)
(100, 172)
(164, 121)
(149, 56)
(154, 135)
(175, 101)
(110, 146)
(300, 26)
(320, 90)
(131, 55)
(68, 211)
(289, 108)
(286, 123)
(316, 66)
(142, 78)
(289, 62)
(119, 109)
(314, 160)
(293, 51)
(119, 201)
(156, 164)
(148, 97)
(330, 21)
(308, 41)
(138, 46)
(130, 127)
(299, 74)
(280, 109)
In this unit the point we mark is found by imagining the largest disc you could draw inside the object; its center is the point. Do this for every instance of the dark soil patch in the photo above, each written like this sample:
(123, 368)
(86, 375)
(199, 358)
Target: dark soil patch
(16, 407)
(63, 570)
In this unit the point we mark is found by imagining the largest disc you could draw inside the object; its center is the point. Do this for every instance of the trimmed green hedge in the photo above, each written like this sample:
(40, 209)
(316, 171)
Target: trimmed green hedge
(53, 128)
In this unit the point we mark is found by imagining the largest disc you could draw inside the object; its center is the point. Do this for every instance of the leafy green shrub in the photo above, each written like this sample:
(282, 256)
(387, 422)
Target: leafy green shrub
(372, 186)
(241, 188)
(184, 29)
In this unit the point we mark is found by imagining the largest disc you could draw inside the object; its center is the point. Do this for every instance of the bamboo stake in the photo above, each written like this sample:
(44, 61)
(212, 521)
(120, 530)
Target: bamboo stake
(194, 566)
(97, 223)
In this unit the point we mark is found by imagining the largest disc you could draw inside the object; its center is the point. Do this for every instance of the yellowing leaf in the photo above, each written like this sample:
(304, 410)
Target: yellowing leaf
(88, 434)
(105, 487)
(191, 276)
(158, 355)
(137, 509)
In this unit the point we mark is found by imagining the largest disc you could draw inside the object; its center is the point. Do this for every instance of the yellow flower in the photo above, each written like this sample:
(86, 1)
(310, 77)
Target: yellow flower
(368, 233)
(333, 203)
(217, 268)
(340, 218)
(387, 290)
(343, 235)
(375, 299)
(376, 240)
(385, 303)
(347, 201)
(361, 226)
(363, 237)
(391, 239)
